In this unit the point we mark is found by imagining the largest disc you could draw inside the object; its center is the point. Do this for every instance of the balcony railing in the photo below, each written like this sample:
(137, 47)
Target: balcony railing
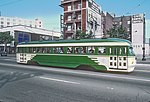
(72, 21)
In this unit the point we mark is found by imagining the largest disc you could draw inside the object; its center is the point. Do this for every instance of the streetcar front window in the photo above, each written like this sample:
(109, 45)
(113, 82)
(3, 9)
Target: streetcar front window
(131, 52)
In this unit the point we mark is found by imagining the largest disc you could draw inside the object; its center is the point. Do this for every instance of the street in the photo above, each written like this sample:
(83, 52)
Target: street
(28, 83)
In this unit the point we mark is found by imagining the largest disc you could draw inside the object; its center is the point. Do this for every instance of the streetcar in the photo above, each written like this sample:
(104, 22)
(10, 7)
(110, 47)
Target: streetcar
(105, 54)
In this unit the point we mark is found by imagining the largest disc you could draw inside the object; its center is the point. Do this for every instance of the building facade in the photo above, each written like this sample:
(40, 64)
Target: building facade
(125, 22)
(26, 34)
(12, 21)
(134, 25)
(83, 15)
(107, 22)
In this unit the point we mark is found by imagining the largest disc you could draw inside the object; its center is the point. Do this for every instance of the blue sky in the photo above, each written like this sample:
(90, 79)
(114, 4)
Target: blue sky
(49, 10)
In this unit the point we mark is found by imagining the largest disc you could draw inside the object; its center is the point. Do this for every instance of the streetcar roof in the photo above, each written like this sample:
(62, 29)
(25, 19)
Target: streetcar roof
(110, 41)
(78, 41)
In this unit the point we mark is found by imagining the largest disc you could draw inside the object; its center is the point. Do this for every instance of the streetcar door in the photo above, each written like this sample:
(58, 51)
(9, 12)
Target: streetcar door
(122, 58)
(118, 58)
(113, 58)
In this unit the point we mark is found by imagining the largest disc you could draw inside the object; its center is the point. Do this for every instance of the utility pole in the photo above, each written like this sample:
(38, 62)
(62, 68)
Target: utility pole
(62, 26)
(74, 18)
(149, 46)
(143, 59)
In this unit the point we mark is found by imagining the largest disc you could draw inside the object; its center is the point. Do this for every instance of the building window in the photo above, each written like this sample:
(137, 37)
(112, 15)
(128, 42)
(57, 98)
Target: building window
(8, 23)
(69, 17)
(79, 6)
(14, 23)
(2, 26)
(116, 23)
(69, 7)
(2, 22)
(69, 28)
(120, 23)
(8, 19)
(128, 22)
(2, 18)
(79, 16)
(14, 20)
(74, 6)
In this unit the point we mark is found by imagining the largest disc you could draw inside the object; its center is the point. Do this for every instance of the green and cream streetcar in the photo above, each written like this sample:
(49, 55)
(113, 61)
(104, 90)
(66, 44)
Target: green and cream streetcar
(110, 54)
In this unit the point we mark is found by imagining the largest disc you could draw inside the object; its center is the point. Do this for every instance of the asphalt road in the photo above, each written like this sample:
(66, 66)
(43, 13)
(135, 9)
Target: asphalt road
(26, 83)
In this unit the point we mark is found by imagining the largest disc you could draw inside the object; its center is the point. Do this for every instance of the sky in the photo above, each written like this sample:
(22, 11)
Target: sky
(49, 10)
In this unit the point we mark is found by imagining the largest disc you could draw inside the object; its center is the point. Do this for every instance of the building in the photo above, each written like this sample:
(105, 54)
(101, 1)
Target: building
(125, 22)
(27, 33)
(107, 22)
(87, 16)
(12, 21)
(134, 25)
(83, 15)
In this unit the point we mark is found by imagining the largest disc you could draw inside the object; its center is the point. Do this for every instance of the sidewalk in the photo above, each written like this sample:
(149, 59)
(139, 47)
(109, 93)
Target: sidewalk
(147, 61)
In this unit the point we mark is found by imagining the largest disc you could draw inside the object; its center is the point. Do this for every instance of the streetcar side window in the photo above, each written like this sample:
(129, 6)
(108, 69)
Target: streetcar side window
(69, 49)
(124, 51)
(58, 50)
(30, 49)
(101, 50)
(78, 50)
(90, 50)
(115, 51)
(83, 50)
(110, 50)
(20, 50)
(48, 50)
(34, 50)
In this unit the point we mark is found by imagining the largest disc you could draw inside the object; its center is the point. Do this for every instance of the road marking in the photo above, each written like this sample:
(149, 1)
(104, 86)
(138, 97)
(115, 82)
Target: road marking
(59, 80)
(110, 88)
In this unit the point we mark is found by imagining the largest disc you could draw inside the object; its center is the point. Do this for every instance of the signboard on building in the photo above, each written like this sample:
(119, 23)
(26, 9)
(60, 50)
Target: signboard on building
(94, 6)
(139, 18)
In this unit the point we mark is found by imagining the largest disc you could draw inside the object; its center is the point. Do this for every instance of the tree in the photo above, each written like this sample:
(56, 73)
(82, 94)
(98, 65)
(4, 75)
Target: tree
(83, 35)
(5, 38)
(118, 32)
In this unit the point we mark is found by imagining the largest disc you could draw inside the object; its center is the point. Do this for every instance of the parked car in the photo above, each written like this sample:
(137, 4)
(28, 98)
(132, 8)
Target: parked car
(3, 53)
